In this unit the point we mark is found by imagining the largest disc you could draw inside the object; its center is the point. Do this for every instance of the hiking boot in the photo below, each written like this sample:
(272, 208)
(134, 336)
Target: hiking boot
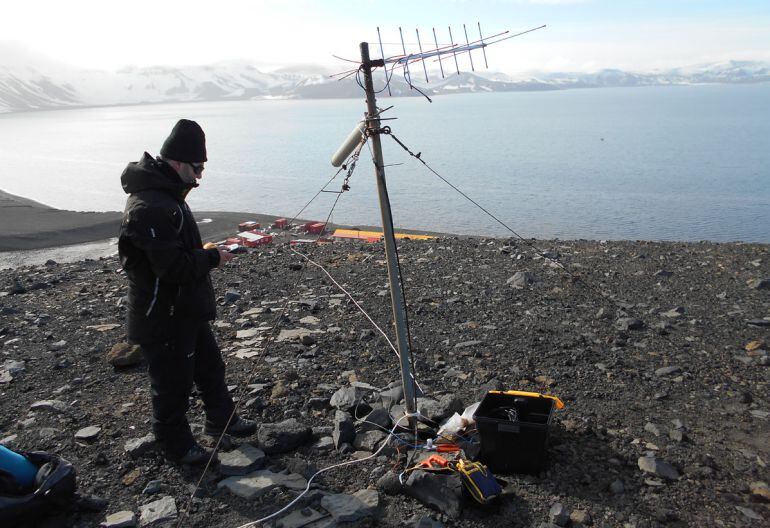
(239, 427)
(196, 455)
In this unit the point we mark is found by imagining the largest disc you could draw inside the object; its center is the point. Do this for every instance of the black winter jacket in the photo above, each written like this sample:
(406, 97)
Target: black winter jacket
(161, 252)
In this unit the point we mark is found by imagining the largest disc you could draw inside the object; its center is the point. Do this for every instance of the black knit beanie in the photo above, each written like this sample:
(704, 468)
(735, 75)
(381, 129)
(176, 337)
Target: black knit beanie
(186, 143)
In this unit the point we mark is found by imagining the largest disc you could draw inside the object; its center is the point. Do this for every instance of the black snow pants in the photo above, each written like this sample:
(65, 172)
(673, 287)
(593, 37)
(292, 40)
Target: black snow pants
(191, 355)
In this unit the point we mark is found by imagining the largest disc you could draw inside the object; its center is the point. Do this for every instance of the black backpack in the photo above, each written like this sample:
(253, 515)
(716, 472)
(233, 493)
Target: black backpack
(53, 490)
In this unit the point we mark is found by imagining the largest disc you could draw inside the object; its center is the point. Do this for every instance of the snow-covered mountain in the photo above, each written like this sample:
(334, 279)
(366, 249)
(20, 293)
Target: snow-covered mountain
(29, 82)
(732, 72)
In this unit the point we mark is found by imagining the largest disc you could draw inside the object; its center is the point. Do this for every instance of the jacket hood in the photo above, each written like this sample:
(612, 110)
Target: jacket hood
(152, 173)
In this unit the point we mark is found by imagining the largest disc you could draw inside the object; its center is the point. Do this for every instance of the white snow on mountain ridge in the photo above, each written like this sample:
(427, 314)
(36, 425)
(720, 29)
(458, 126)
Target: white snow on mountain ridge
(33, 83)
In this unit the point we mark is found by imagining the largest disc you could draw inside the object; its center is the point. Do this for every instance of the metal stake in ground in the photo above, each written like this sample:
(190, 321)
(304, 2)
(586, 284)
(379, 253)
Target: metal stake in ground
(396, 296)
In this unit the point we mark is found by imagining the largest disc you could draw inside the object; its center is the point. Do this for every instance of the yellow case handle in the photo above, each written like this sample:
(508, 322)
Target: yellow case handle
(559, 403)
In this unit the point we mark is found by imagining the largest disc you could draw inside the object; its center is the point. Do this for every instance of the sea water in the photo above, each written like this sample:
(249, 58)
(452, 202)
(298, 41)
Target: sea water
(657, 163)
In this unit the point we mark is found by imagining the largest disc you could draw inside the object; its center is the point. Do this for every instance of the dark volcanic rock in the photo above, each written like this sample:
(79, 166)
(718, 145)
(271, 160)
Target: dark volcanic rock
(344, 430)
(629, 323)
(521, 279)
(350, 508)
(347, 398)
(124, 355)
(556, 336)
(245, 459)
(759, 284)
(442, 492)
(138, 446)
(283, 436)
(389, 483)
(658, 467)
(558, 514)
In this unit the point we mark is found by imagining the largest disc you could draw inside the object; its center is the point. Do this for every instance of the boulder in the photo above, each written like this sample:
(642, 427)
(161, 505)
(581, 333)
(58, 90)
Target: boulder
(350, 508)
(231, 296)
(136, 447)
(245, 459)
(427, 522)
(759, 284)
(369, 441)
(344, 430)
(520, 279)
(324, 444)
(301, 518)
(760, 492)
(124, 355)
(260, 482)
(391, 396)
(629, 323)
(247, 333)
(14, 367)
(348, 398)
(157, 512)
(439, 410)
(121, 519)
(389, 483)
(658, 467)
(469, 344)
(667, 371)
(300, 466)
(283, 436)
(581, 518)
(442, 492)
(674, 313)
(377, 420)
(558, 514)
(56, 406)
(88, 433)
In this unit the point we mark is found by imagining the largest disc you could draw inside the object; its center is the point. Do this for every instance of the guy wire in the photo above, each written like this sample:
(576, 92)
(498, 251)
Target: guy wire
(356, 303)
(574, 277)
(474, 202)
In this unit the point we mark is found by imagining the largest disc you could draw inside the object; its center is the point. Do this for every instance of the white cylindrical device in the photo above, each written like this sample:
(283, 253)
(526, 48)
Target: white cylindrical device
(349, 145)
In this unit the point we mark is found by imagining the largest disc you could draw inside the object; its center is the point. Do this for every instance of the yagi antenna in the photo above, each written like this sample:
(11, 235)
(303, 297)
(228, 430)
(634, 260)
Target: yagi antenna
(407, 75)
(467, 42)
(424, 67)
(370, 129)
(439, 57)
(382, 52)
(481, 38)
(406, 58)
(454, 51)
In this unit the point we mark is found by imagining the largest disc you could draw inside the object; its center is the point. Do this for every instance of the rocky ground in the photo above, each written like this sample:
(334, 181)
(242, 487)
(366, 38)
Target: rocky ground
(659, 351)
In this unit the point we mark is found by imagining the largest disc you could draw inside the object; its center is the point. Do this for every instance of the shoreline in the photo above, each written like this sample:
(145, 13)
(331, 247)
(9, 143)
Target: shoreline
(31, 230)
(554, 88)
(32, 233)
(26, 225)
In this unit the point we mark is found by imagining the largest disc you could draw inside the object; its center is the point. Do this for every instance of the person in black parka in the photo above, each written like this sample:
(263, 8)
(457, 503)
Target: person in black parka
(170, 296)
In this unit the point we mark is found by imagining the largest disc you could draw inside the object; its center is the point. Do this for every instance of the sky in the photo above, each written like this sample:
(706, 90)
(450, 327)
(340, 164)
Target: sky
(581, 35)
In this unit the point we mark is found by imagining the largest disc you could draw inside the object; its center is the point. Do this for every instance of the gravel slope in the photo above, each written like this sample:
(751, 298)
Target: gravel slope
(600, 339)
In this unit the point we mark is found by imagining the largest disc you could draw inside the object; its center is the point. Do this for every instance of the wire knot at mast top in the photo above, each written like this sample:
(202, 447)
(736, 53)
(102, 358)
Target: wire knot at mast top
(375, 63)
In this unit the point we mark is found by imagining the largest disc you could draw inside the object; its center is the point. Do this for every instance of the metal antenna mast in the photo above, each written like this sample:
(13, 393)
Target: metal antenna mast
(396, 293)
(370, 127)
